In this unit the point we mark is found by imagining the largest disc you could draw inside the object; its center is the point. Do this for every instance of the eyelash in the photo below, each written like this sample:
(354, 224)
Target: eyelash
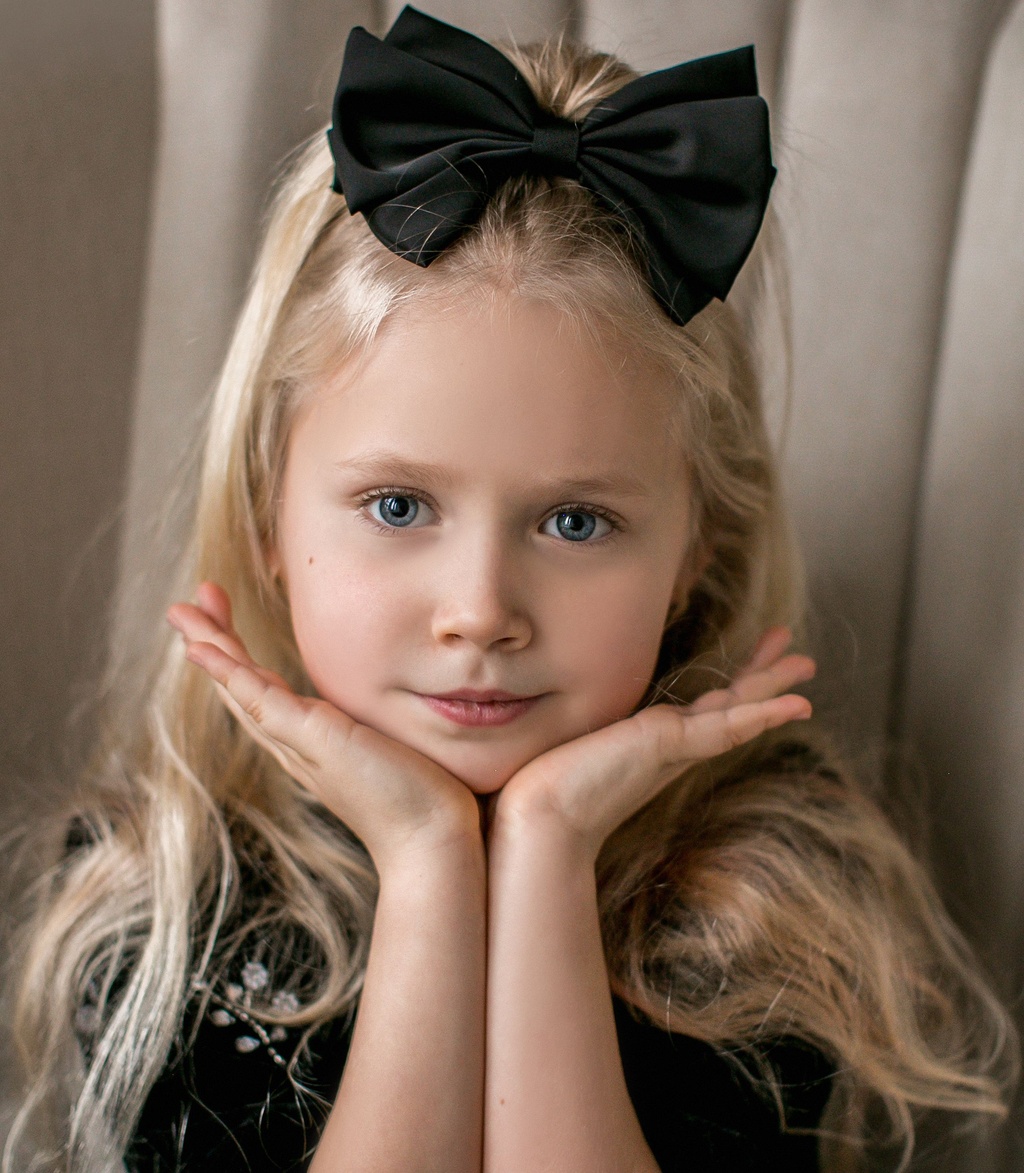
(568, 507)
(379, 495)
(595, 511)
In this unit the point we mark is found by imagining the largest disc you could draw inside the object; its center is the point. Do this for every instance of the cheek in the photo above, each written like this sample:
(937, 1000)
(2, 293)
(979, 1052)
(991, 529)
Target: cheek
(348, 624)
(611, 648)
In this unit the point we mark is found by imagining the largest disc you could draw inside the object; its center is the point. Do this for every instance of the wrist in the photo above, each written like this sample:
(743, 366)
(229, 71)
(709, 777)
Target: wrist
(445, 844)
(539, 831)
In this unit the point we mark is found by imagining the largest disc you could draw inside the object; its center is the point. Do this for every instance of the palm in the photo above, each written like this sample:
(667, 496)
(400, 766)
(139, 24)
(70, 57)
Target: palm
(592, 784)
(387, 792)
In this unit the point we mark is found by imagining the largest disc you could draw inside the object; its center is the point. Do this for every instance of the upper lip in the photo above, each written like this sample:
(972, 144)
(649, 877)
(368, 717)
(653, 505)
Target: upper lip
(481, 695)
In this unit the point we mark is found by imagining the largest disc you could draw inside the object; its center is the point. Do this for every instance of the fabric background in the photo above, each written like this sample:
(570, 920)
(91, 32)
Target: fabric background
(137, 141)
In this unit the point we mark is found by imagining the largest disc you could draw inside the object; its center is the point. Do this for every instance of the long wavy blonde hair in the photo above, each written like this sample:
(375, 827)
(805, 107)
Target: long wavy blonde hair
(749, 900)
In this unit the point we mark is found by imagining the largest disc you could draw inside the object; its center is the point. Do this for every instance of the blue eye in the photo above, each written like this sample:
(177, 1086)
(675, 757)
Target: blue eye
(395, 511)
(577, 525)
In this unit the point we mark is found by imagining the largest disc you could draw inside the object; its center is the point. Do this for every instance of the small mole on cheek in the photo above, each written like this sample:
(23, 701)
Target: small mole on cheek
(311, 559)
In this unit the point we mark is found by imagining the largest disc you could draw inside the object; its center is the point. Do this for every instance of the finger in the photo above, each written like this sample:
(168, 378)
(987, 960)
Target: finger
(293, 722)
(217, 661)
(781, 676)
(778, 678)
(222, 668)
(772, 644)
(219, 665)
(197, 651)
(196, 625)
(291, 762)
(214, 600)
(705, 735)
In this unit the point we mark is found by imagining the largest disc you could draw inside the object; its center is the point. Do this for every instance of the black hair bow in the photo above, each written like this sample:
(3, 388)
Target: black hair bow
(429, 122)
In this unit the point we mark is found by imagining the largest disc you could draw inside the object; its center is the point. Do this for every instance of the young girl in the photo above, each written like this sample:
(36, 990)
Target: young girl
(463, 822)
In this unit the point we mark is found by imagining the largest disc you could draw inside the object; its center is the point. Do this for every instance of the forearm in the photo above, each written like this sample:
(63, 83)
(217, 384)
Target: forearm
(411, 1097)
(556, 1096)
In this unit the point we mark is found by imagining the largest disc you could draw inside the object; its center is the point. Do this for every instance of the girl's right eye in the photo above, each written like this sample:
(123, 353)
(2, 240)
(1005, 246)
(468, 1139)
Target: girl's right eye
(396, 510)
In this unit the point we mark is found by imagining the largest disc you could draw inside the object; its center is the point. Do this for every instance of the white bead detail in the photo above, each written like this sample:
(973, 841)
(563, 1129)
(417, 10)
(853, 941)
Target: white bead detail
(237, 1007)
(254, 976)
(285, 1002)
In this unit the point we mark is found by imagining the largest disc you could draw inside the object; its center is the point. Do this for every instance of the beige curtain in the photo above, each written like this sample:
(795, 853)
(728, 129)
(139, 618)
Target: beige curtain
(138, 141)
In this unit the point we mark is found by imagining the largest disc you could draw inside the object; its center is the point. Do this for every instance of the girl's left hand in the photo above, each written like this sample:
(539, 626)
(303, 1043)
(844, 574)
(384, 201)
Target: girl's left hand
(589, 786)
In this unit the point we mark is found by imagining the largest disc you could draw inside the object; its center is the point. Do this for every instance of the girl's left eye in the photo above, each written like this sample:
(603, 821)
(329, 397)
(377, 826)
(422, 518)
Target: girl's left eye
(397, 510)
(577, 525)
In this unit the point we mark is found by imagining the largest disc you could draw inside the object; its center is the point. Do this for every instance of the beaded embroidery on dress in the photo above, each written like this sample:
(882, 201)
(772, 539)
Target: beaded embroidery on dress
(234, 1008)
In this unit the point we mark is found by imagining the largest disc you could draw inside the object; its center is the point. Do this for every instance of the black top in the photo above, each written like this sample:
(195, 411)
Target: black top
(227, 1102)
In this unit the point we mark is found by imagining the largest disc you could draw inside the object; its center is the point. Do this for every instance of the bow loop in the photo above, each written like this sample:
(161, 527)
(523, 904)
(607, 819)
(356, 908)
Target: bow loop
(430, 121)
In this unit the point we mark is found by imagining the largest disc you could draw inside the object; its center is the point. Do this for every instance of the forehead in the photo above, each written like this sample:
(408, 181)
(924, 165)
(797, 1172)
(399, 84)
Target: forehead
(505, 385)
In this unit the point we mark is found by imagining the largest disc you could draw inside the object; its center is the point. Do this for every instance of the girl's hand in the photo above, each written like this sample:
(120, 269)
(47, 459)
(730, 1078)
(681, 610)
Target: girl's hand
(392, 797)
(589, 786)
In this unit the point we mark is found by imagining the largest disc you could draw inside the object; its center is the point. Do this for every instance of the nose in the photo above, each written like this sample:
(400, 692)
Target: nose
(481, 598)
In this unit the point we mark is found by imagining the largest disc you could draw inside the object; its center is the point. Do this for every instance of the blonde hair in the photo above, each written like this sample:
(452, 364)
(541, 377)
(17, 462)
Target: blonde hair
(750, 900)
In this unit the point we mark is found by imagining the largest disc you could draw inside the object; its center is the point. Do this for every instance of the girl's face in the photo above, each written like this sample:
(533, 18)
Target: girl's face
(483, 504)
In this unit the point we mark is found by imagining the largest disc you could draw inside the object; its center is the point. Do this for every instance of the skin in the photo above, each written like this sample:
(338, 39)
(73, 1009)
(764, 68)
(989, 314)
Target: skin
(480, 590)
(485, 1036)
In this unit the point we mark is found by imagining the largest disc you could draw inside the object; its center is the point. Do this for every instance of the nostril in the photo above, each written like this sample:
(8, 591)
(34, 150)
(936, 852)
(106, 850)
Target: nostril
(483, 628)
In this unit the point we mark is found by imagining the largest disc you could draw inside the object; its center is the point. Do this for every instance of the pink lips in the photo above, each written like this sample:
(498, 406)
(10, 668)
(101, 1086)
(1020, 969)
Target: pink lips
(471, 706)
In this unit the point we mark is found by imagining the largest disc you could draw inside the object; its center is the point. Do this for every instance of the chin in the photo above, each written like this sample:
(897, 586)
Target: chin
(482, 768)
(481, 777)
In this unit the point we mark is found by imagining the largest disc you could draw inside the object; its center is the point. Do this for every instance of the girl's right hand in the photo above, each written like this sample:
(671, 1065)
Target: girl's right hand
(396, 800)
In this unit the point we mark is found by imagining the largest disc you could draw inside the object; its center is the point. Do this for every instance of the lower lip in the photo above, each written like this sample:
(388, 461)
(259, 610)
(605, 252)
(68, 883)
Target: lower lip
(481, 712)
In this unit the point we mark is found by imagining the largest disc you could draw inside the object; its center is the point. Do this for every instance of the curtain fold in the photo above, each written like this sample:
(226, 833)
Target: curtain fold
(138, 143)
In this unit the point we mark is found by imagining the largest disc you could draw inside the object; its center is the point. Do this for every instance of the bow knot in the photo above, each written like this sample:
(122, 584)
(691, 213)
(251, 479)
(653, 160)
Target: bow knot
(555, 148)
(431, 121)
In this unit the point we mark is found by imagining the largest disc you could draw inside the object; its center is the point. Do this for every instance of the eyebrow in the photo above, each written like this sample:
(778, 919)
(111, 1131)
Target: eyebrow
(380, 463)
